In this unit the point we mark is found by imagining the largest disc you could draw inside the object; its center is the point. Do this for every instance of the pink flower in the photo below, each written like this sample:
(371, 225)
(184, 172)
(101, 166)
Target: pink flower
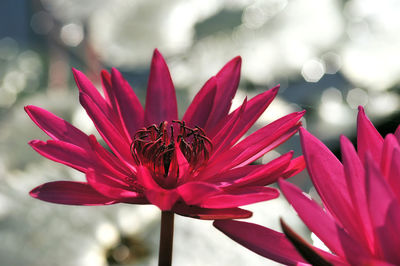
(361, 197)
(195, 166)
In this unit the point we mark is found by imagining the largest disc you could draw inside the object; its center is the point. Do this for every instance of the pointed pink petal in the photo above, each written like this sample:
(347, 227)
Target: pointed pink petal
(114, 139)
(107, 89)
(266, 139)
(328, 177)
(390, 144)
(65, 153)
(129, 106)
(384, 209)
(323, 225)
(70, 193)
(109, 187)
(368, 138)
(254, 109)
(193, 193)
(227, 83)
(108, 160)
(255, 145)
(160, 100)
(393, 176)
(86, 86)
(359, 225)
(162, 198)
(199, 110)
(57, 128)
(264, 175)
(222, 140)
(295, 166)
(240, 197)
(179, 172)
(211, 214)
(263, 241)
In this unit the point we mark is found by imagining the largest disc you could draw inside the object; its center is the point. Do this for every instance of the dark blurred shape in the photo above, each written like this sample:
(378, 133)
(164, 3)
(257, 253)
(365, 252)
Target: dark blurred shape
(128, 251)
(225, 21)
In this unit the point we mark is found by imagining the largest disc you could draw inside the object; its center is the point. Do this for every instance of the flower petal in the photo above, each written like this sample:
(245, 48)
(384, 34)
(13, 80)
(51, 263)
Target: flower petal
(108, 160)
(85, 86)
(57, 128)
(227, 83)
(255, 107)
(295, 166)
(264, 175)
(359, 224)
(240, 197)
(193, 193)
(162, 198)
(199, 110)
(211, 214)
(255, 145)
(222, 140)
(65, 153)
(311, 254)
(70, 193)
(322, 224)
(111, 188)
(160, 100)
(368, 138)
(113, 138)
(384, 209)
(263, 241)
(328, 177)
(129, 106)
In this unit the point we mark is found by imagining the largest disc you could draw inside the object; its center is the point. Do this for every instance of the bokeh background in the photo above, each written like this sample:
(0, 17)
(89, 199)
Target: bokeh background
(329, 56)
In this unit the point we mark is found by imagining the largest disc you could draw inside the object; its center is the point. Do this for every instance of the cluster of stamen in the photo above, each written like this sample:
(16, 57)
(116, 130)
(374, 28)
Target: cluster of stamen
(155, 146)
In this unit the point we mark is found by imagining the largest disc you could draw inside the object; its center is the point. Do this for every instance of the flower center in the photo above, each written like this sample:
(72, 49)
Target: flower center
(155, 147)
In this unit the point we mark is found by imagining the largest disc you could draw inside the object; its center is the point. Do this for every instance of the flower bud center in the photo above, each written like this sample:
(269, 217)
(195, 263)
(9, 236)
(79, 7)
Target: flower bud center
(155, 146)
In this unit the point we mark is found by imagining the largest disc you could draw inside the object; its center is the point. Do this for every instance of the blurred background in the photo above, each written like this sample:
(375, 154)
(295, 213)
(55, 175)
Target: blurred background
(329, 56)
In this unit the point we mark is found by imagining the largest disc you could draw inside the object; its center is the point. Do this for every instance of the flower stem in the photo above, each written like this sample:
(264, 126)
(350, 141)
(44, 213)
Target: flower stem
(166, 238)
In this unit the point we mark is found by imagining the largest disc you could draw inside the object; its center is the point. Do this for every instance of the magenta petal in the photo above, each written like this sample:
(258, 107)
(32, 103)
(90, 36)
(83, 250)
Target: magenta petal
(160, 100)
(227, 83)
(129, 107)
(70, 193)
(211, 214)
(256, 145)
(384, 209)
(199, 110)
(255, 107)
(322, 224)
(264, 175)
(222, 140)
(394, 173)
(328, 177)
(263, 241)
(359, 224)
(240, 197)
(57, 128)
(368, 138)
(295, 166)
(108, 90)
(106, 128)
(108, 159)
(109, 187)
(162, 198)
(86, 86)
(194, 192)
(65, 153)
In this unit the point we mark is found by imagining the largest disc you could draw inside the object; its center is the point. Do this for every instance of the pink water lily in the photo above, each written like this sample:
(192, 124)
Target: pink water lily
(195, 166)
(360, 217)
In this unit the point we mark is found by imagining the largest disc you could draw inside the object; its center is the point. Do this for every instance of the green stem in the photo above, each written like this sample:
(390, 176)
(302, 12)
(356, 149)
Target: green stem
(166, 238)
